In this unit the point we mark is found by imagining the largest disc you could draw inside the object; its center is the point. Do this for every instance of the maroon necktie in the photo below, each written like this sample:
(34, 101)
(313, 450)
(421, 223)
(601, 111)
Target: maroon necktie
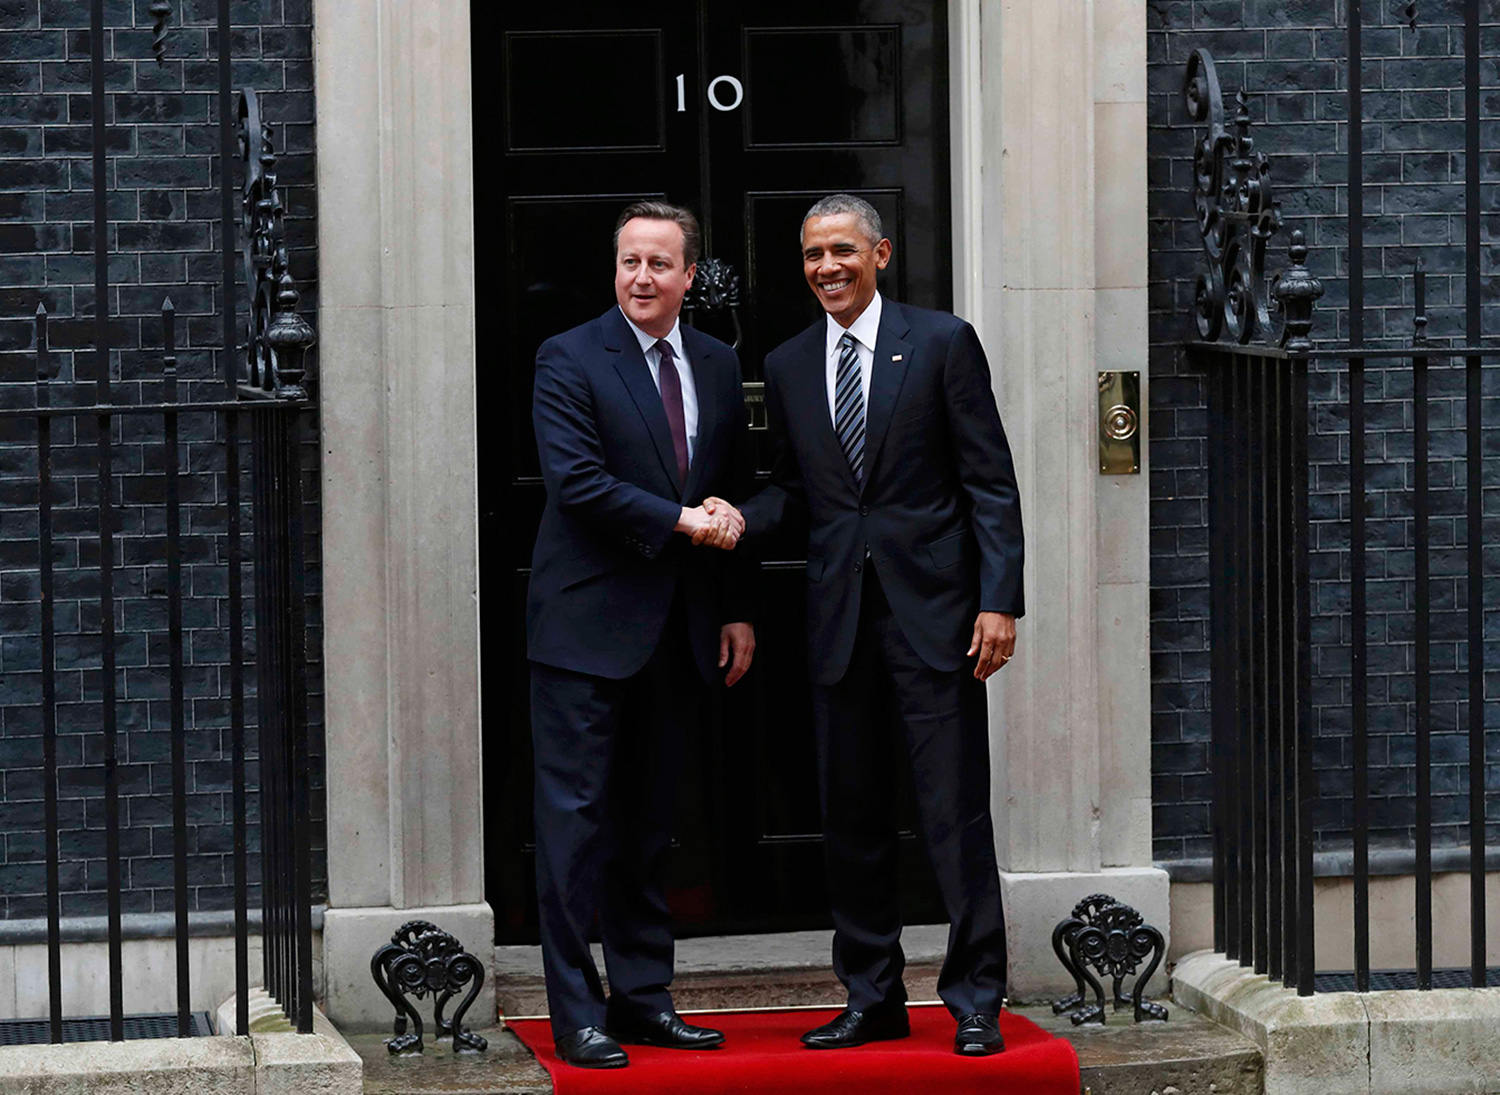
(671, 401)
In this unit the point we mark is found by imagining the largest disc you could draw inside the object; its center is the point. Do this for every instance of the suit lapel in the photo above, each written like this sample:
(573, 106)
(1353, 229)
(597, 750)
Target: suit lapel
(705, 367)
(630, 363)
(887, 374)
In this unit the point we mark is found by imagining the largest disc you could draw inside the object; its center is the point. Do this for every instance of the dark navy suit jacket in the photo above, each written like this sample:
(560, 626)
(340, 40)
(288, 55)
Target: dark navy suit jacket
(607, 563)
(938, 511)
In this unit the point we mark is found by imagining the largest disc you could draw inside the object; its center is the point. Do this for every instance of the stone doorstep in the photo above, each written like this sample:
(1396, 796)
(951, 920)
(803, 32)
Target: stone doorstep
(270, 1060)
(520, 997)
(716, 973)
(1188, 1053)
(1342, 1043)
(287, 1063)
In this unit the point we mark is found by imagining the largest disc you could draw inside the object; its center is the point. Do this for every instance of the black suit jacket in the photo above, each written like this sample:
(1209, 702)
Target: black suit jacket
(606, 562)
(939, 510)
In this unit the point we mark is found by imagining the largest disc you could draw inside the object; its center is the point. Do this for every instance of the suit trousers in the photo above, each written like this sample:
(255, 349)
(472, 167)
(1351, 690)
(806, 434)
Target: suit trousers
(607, 760)
(944, 727)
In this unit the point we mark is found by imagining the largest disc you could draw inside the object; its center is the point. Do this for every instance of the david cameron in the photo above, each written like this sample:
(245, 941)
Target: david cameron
(890, 446)
(638, 420)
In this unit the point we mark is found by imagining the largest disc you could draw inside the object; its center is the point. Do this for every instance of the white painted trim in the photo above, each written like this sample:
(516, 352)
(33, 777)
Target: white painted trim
(966, 114)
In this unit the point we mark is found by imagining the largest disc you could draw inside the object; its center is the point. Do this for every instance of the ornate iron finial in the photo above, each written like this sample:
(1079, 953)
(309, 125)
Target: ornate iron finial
(1295, 290)
(278, 337)
(44, 368)
(1411, 14)
(1237, 214)
(160, 11)
(289, 336)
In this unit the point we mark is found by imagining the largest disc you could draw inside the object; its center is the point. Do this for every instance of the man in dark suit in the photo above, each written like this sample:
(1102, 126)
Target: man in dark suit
(889, 441)
(638, 420)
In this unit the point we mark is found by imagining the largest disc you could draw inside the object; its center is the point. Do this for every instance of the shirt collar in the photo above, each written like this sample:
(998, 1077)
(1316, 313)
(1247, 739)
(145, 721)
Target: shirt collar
(865, 329)
(674, 336)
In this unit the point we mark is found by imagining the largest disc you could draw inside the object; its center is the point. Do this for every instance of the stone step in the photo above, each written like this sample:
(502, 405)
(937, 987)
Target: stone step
(787, 969)
(1187, 1055)
(526, 997)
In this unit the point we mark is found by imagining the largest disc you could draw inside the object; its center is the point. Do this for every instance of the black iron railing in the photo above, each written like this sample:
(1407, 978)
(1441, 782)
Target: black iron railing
(264, 388)
(1261, 664)
(1264, 786)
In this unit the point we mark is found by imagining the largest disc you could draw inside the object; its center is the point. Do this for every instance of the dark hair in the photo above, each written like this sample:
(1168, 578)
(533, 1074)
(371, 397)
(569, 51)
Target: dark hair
(662, 211)
(864, 213)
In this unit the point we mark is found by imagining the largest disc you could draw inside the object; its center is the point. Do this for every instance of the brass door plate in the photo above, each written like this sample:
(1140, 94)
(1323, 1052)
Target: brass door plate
(1120, 423)
(754, 392)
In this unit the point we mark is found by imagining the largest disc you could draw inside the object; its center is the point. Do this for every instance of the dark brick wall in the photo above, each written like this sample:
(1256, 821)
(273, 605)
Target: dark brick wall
(164, 237)
(1289, 57)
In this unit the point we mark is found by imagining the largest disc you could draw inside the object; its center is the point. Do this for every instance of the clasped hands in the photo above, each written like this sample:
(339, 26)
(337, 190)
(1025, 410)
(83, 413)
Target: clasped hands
(715, 523)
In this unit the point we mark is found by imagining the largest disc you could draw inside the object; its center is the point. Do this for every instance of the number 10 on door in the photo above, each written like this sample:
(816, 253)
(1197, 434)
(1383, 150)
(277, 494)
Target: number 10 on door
(715, 97)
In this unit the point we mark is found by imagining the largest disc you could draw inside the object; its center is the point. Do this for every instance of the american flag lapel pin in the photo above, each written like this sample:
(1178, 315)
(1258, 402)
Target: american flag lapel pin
(896, 357)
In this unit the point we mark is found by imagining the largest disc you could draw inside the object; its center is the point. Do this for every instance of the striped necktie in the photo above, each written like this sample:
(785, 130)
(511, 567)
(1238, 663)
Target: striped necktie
(849, 408)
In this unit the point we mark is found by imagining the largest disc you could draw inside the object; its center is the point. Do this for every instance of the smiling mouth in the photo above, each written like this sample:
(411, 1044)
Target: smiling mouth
(836, 286)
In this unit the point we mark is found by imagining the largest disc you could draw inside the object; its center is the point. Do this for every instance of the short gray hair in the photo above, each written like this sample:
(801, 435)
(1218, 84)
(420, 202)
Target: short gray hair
(862, 211)
(662, 211)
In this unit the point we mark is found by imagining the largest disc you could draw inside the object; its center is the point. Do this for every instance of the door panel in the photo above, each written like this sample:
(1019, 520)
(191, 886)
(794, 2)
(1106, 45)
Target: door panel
(855, 76)
(559, 85)
(595, 105)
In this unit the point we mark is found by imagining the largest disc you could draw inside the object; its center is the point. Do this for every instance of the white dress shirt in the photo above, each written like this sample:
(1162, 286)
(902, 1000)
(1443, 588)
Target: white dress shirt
(684, 372)
(865, 330)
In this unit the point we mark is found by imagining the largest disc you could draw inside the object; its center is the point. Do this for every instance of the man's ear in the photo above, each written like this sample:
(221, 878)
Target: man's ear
(882, 254)
(692, 272)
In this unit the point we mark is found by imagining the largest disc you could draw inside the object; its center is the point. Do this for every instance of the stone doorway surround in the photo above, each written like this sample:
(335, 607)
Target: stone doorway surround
(1049, 144)
(400, 582)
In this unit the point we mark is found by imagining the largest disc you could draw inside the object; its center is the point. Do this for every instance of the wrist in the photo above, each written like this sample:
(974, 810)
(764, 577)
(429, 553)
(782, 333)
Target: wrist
(686, 521)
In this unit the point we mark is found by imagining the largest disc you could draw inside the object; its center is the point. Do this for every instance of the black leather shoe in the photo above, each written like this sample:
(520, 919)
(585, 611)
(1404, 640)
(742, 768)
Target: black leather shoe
(666, 1030)
(978, 1036)
(855, 1028)
(591, 1048)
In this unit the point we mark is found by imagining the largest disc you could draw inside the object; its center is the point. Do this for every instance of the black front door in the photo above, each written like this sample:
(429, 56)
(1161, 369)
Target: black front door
(746, 111)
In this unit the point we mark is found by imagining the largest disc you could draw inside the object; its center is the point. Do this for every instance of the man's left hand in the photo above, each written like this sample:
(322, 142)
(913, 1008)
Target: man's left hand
(994, 642)
(736, 649)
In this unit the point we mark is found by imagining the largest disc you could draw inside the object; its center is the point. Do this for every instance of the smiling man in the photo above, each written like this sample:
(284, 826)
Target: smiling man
(889, 442)
(638, 421)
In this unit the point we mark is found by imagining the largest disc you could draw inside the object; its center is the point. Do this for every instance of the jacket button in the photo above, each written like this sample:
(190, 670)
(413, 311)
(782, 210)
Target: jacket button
(864, 511)
(856, 568)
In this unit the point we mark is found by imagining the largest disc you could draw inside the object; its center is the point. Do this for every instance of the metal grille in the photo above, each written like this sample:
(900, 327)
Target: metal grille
(1387, 980)
(95, 1028)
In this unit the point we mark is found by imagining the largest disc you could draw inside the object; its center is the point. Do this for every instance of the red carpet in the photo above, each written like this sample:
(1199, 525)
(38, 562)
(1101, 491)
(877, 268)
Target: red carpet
(761, 1056)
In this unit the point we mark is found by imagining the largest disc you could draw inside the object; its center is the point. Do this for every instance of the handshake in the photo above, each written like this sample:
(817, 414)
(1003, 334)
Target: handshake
(715, 523)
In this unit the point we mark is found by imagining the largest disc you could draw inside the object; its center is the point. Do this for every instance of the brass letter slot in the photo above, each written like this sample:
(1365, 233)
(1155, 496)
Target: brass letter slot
(1119, 423)
(755, 404)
